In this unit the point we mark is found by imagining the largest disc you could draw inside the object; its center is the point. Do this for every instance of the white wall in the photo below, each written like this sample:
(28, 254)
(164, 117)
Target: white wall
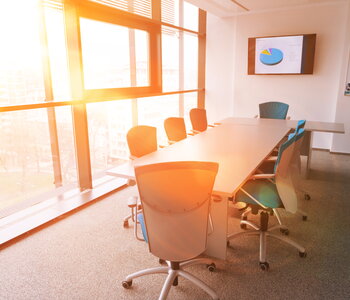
(311, 97)
(219, 67)
(341, 142)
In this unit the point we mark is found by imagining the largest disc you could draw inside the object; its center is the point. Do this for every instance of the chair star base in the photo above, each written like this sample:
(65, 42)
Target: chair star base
(263, 232)
(175, 269)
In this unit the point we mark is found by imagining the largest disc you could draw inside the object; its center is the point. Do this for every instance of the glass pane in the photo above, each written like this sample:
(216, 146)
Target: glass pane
(105, 50)
(25, 156)
(190, 61)
(108, 57)
(190, 101)
(66, 145)
(170, 59)
(21, 76)
(141, 53)
(153, 111)
(170, 11)
(57, 53)
(108, 124)
(190, 16)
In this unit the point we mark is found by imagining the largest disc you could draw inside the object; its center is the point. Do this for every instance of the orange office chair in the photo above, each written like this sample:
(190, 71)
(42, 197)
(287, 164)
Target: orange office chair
(199, 121)
(176, 198)
(141, 140)
(175, 129)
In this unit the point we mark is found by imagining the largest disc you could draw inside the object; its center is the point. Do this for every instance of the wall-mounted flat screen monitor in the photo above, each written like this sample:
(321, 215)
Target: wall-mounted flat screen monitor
(290, 54)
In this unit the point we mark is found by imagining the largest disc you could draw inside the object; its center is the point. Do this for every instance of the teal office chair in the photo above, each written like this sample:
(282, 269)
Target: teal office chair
(273, 110)
(175, 129)
(266, 192)
(141, 140)
(198, 117)
(270, 165)
(176, 198)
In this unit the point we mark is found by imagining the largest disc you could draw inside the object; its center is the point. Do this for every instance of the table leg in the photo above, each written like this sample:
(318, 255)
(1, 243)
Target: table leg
(217, 238)
(306, 149)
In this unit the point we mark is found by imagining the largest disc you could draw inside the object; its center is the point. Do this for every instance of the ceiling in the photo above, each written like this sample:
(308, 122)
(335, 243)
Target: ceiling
(228, 8)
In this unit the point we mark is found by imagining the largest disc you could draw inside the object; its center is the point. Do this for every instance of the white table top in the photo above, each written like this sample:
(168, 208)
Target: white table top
(238, 148)
(309, 125)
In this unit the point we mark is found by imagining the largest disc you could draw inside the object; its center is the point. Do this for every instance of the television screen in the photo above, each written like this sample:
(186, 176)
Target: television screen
(293, 54)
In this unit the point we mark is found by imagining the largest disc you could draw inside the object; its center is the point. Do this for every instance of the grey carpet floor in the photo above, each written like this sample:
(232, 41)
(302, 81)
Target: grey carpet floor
(87, 254)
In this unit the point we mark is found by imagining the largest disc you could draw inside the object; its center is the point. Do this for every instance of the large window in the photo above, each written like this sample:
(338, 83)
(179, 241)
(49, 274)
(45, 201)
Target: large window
(105, 40)
(64, 65)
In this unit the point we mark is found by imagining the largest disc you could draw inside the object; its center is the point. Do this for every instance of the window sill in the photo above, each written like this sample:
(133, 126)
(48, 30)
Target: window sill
(29, 220)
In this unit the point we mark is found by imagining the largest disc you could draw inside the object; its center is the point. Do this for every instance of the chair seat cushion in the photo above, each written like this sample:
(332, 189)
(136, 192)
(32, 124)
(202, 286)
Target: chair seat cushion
(262, 190)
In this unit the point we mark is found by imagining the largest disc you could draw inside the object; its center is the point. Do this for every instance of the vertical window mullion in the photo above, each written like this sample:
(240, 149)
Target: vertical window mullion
(202, 29)
(51, 115)
(132, 53)
(181, 58)
(80, 122)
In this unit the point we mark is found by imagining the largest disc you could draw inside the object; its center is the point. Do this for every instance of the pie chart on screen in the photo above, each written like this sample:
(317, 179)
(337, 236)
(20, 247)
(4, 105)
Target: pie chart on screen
(271, 56)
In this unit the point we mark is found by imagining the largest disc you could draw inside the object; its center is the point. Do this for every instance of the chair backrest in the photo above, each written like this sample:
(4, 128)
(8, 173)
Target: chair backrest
(175, 199)
(283, 176)
(175, 129)
(296, 162)
(142, 140)
(198, 118)
(273, 110)
(300, 125)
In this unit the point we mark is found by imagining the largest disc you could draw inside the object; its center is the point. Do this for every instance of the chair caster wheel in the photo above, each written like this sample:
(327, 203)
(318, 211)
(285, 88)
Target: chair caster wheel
(161, 261)
(302, 254)
(304, 218)
(127, 284)
(211, 267)
(307, 197)
(264, 266)
(284, 231)
(126, 224)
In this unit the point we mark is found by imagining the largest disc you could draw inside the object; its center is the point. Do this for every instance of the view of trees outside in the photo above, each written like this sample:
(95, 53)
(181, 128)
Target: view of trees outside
(26, 169)
(25, 159)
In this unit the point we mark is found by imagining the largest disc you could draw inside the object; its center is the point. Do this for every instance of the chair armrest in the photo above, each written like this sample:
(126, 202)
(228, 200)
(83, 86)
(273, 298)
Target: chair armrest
(262, 176)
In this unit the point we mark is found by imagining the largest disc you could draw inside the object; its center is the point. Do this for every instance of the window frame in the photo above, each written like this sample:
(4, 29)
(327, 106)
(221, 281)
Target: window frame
(74, 10)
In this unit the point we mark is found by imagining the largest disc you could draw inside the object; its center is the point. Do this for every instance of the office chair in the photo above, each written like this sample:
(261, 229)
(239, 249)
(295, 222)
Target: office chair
(266, 192)
(273, 110)
(199, 121)
(176, 197)
(296, 170)
(141, 140)
(175, 129)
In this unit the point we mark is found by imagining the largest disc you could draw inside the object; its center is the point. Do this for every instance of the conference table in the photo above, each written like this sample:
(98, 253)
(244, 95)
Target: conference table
(239, 145)
(238, 148)
(310, 128)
